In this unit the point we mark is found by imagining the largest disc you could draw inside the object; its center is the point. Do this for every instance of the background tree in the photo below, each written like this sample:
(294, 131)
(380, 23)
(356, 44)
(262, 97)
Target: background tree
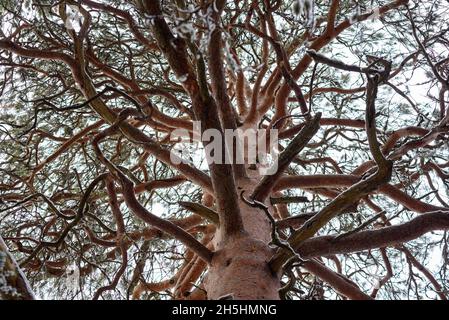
(93, 207)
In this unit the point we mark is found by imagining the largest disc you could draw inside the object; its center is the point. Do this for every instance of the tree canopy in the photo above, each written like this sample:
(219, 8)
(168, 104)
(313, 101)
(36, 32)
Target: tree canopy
(93, 207)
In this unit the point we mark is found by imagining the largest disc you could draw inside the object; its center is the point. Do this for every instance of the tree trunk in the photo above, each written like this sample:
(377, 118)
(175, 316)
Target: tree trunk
(13, 283)
(239, 269)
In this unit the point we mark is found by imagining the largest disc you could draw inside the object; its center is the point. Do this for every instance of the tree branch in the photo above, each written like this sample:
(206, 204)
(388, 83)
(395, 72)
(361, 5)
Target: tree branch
(264, 188)
(140, 211)
(352, 194)
(378, 238)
